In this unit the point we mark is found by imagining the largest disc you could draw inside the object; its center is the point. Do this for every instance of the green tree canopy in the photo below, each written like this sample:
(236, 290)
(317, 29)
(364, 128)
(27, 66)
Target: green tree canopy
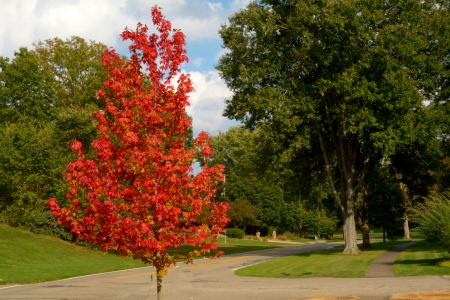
(77, 66)
(27, 90)
(46, 99)
(348, 76)
(248, 178)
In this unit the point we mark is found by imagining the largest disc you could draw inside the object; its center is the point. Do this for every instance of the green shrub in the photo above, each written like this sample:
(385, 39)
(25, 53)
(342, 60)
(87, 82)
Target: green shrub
(45, 223)
(433, 219)
(235, 233)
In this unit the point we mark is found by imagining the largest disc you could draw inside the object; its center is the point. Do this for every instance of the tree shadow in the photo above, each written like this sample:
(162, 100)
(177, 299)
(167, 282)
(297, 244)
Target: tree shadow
(419, 262)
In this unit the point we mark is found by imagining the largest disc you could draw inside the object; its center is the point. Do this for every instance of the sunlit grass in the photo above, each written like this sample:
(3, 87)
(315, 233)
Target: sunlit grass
(26, 257)
(421, 259)
(320, 263)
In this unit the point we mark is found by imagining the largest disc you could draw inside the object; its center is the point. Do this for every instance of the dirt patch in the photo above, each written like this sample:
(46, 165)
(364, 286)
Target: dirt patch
(435, 295)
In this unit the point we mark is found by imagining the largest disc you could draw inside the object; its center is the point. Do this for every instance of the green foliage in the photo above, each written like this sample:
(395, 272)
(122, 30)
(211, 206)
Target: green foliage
(386, 201)
(27, 91)
(325, 226)
(243, 214)
(31, 167)
(249, 177)
(319, 221)
(235, 233)
(46, 98)
(74, 123)
(76, 64)
(344, 79)
(433, 219)
(45, 223)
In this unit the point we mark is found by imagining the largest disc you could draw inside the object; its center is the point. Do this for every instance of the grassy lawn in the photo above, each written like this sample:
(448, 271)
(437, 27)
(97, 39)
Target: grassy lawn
(240, 245)
(321, 263)
(233, 246)
(420, 259)
(26, 257)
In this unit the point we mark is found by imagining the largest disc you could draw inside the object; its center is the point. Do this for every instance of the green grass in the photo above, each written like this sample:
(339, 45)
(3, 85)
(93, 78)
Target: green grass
(321, 263)
(420, 259)
(233, 246)
(240, 245)
(26, 257)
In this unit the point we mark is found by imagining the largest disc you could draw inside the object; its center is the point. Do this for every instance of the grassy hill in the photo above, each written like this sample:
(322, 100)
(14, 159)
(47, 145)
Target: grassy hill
(26, 257)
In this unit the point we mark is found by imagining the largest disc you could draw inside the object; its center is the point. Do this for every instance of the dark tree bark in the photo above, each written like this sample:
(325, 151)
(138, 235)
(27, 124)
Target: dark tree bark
(363, 219)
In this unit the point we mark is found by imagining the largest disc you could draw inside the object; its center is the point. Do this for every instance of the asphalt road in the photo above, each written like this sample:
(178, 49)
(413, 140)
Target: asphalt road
(215, 279)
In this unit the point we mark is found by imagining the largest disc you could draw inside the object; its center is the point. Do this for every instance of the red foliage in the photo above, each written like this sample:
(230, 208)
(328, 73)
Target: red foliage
(138, 197)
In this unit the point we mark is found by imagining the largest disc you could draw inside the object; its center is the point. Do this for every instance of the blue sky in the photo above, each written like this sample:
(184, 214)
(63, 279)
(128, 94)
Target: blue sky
(23, 22)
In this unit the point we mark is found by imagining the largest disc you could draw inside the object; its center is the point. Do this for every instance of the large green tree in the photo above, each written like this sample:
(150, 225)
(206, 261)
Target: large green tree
(46, 96)
(27, 90)
(348, 76)
(248, 178)
(77, 66)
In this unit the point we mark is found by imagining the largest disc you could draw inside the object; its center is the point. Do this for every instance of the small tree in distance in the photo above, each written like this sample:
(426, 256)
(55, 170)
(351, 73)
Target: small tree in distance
(138, 197)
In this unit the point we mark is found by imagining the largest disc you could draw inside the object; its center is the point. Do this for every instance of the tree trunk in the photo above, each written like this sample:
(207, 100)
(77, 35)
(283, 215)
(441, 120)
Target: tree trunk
(364, 222)
(347, 151)
(384, 234)
(351, 246)
(365, 230)
(159, 284)
(406, 204)
(406, 227)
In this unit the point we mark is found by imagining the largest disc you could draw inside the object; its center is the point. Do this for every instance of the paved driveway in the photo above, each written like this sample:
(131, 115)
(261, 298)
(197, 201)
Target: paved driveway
(215, 279)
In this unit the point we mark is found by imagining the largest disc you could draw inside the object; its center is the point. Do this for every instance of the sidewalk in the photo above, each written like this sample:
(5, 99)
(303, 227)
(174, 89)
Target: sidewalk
(382, 266)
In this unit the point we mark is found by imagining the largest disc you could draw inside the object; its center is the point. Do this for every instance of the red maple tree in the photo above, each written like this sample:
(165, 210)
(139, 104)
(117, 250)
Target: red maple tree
(139, 197)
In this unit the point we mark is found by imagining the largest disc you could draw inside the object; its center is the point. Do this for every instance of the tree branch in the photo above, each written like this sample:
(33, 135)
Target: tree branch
(363, 173)
(328, 167)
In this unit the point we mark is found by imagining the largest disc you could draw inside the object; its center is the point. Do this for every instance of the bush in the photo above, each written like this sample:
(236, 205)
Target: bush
(45, 223)
(235, 233)
(325, 227)
(433, 219)
(283, 237)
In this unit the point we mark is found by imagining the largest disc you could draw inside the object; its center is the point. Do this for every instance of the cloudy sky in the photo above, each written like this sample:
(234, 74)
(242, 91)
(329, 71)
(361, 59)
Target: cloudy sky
(23, 22)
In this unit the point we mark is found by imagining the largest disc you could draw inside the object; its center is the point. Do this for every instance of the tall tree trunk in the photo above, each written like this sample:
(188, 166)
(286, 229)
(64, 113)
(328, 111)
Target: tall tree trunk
(406, 227)
(345, 200)
(351, 246)
(159, 284)
(406, 203)
(384, 234)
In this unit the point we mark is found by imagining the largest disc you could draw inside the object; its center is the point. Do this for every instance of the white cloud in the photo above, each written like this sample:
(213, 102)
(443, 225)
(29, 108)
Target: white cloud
(23, 22)
(199, 19)
(239, 4)
(197, 62)
(208, 102)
